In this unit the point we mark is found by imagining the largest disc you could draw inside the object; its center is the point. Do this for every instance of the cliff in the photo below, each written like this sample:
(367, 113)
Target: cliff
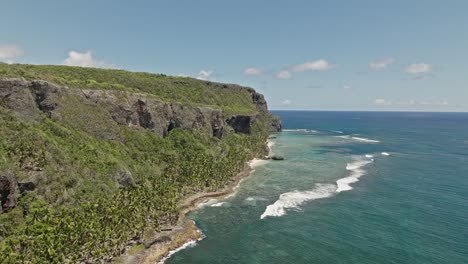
(122, 141)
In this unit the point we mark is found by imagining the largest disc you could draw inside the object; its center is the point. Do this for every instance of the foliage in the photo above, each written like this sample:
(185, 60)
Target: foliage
(230, 98)
(79, 213)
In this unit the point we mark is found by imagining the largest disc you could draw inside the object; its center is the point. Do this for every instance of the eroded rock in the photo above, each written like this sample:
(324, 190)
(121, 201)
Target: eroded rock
(7, 191)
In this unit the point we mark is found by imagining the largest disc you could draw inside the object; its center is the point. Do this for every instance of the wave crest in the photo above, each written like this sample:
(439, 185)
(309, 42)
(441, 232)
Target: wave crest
(361, 139)
(292, 200)
(356, 172)
(301, 130)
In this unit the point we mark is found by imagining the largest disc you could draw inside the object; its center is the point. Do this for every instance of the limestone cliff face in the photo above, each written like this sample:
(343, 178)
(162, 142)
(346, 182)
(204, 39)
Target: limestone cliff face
(30, 99)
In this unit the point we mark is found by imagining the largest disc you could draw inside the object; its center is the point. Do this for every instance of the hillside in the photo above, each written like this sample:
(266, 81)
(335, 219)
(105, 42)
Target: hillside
(90, 158)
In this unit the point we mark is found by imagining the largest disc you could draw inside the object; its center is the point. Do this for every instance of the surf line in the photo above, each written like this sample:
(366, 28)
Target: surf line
(294, 199)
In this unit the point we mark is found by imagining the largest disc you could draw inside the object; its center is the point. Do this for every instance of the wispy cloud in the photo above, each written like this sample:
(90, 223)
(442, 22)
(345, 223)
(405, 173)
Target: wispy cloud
(381, 64)
(85, 59)
(419, 68)
(317, 65)
(284, 75)
(10, 52)
(253, 71)
(286, 102)
(204, 75)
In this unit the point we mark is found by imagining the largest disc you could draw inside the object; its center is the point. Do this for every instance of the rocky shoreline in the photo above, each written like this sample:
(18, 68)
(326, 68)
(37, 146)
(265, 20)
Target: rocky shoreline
(185, 231)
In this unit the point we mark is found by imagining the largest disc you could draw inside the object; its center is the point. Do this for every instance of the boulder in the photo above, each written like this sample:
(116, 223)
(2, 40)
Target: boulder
(277, 157)
(28, 186)
(7, 191)
(125, 179)
(276, 125)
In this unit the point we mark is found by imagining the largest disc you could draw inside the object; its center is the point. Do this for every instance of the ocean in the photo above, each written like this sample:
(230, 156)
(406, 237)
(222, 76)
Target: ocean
(355, 187)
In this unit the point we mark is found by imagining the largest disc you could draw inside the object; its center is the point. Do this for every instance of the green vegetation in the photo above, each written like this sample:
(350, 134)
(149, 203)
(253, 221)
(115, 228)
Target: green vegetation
(228, 97)
(78, 211)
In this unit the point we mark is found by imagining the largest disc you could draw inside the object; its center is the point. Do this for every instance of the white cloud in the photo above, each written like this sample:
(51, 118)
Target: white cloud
(286, 102)
(253, 71)
(10, 52)
(318, 65)
(85, 59)
(381, 64)
(346, 87)
(381, 102)
(204, 75)
(418, 68)
(284, 75)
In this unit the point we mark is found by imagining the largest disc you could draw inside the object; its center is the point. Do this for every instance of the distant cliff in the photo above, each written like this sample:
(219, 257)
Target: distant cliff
(71, 137)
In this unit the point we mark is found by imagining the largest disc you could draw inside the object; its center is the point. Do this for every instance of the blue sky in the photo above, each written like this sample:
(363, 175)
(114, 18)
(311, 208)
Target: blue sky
(318, 55)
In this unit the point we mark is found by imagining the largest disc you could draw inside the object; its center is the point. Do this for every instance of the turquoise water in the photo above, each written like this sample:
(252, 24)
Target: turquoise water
(408, 207)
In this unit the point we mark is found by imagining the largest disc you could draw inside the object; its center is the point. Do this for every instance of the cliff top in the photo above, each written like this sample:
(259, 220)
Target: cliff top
(231, 98)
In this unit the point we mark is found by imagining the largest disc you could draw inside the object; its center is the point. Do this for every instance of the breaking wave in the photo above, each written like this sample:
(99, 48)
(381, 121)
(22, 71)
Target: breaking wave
(292, 200)
(356, 168)
(301, 130)
(361, 139)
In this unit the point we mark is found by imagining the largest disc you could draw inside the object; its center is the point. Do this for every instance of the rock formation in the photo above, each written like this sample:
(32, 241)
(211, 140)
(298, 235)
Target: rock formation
(29, 98)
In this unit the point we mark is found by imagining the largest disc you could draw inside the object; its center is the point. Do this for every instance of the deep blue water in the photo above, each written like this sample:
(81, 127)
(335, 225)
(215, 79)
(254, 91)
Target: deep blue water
(337, 199)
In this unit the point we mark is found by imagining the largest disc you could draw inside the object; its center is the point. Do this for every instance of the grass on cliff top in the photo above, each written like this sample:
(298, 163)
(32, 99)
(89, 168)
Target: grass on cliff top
(233, 99)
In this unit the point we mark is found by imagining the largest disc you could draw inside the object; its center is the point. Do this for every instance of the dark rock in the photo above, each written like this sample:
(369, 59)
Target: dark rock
(145, 111)
(26, 186)
(7, 191)
(260, 102)
(276, 157)
(47, 96)
(241, 123)
(276, 125)
(15, 95)
(140, 116)
(218, 124)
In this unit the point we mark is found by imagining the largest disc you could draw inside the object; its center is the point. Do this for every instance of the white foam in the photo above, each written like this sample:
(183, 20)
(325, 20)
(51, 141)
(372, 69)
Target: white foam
(188, 244)
(361, 139)
(256, 162)
(365, 140)
(292, 200)
(218, 204)
(338, 131)
(255, 199)
(300, 130)
(356, 172)
(208, 202)
(270, 144)
(385, 153)
(369, 156)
